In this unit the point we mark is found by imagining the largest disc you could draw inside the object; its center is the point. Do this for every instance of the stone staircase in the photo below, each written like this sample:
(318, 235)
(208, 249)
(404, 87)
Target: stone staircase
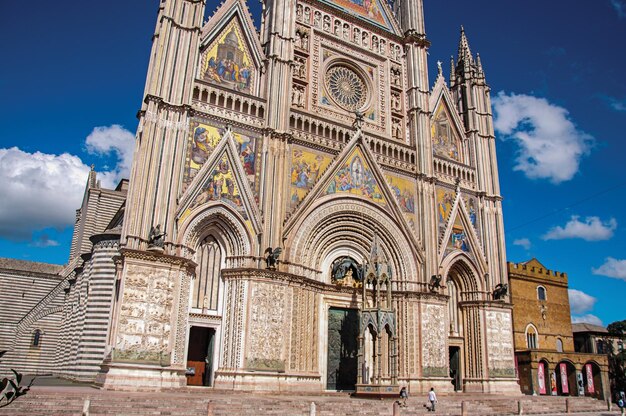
(206, 402)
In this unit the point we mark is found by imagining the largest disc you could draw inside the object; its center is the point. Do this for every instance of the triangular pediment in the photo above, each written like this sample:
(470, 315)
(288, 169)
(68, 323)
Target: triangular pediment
(222, 180)
(375, 12)
(446, 127)
(460, 234)
(230, 51)
(354, 173)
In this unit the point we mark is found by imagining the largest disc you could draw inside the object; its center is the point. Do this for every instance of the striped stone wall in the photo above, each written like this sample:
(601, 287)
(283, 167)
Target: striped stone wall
(31, 298)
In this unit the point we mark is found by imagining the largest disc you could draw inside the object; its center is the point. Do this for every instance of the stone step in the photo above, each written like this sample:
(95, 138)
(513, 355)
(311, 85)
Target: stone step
(190, 403)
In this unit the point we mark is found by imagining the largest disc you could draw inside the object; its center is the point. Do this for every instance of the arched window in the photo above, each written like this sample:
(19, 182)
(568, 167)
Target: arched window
(36, 338)
(541, 293)
(206, 286)
(559, 345)
(531, 337)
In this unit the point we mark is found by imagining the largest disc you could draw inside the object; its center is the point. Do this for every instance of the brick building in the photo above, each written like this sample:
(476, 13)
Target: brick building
(546, 360)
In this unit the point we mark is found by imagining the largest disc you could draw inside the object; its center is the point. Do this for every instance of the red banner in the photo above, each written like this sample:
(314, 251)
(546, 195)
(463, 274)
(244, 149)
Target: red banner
(541, 375)
(564, 385)
(589, 372)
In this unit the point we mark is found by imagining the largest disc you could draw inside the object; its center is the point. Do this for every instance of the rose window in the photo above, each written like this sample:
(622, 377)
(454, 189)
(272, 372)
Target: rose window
(346, 87)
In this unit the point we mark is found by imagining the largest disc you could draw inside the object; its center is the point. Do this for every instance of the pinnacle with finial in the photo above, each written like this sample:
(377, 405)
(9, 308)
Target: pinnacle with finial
(464, 49)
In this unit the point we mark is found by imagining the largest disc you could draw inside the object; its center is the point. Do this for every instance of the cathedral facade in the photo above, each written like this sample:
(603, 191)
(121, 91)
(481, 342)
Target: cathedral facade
(268, 167)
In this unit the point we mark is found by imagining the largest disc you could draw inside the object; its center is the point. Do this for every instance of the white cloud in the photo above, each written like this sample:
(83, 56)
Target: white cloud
(42, 190)
(620, 7)
(612, 268)
(615, 104)
(580, 302)
(112, 139)
(550, 144)
(43, 241)
(522, 242)
(591, 229)
(587, 319)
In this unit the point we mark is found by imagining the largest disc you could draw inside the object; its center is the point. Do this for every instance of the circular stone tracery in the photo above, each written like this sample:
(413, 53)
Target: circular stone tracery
(346, 87)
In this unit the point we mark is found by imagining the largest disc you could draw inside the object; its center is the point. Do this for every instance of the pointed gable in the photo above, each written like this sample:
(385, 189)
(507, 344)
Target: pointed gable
(231, 53)
(459, 232)
(445, 124)
(202, 141)
(355, 177)
(222, 179)
(375, 12)
(354, 172)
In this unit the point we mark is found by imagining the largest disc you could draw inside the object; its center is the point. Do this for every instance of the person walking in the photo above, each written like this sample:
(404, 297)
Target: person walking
(404, 394)
(432, 398)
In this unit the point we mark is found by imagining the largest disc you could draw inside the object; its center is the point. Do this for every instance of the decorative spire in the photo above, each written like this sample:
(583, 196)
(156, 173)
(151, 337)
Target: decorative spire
(452, 72)
(464, 50)
(376, 254)
(479, 64)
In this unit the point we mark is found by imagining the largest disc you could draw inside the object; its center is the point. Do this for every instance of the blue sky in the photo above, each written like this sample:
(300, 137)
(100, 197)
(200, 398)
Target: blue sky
(72, 81)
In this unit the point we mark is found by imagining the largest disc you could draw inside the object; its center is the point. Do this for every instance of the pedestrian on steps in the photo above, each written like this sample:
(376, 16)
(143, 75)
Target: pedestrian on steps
(432, 398)
(404, 394)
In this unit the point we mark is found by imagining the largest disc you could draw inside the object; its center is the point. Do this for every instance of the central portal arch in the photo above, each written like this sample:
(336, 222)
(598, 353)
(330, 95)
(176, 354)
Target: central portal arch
(463, 288)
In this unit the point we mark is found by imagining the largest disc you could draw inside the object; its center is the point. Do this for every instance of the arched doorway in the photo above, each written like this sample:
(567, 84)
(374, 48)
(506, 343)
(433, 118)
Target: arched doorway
(455, 338)
(543, 378)
(592, 380)
(342, 358)
(465, 351)
(566, 379)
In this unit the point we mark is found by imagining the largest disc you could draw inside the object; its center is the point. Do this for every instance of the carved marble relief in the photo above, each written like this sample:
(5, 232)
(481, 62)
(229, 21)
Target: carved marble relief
(303, 349)
(434, 351)
(144, 320)
(500, 344)
(268, 323)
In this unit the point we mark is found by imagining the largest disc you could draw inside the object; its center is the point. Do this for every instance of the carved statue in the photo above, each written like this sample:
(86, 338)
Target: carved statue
(345, 267)
(500, 291)
(271, 258)
(156, 238)
(435, 282)
(358, 120)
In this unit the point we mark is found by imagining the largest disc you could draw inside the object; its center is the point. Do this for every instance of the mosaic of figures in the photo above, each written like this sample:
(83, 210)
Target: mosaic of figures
(227, 60)
(202, 141)
(349, 32)
(404, 191)
(356, 177)
(445, 202)
(458, 239)
(221, 185)
(306, 168)
(471, 205)
(445, 142)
